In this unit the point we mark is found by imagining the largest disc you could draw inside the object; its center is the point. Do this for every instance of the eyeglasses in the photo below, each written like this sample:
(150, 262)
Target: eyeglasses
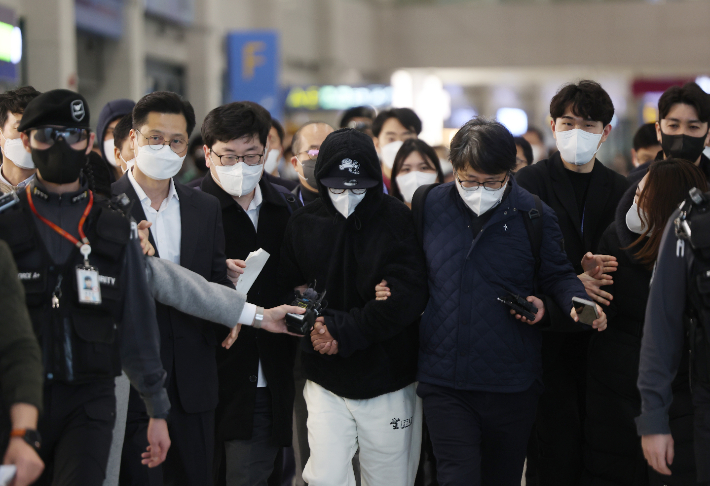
(156, 142)
(48, 135)
(312, 154)
(231, 159)
(357, 192)
(488, 185)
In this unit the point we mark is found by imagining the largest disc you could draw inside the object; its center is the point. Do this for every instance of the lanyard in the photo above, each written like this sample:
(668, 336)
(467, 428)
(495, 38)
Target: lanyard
(84, 240)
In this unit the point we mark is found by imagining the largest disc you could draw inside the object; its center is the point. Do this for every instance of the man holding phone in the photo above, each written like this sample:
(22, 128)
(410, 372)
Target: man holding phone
(480, 370)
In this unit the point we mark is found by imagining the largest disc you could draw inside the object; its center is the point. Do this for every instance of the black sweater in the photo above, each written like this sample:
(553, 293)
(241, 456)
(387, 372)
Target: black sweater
(377, 340)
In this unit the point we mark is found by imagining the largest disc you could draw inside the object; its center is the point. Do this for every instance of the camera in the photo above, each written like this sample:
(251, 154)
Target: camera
(314, 304)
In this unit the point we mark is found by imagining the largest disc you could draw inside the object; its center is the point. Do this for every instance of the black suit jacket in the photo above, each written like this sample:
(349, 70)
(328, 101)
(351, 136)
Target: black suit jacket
(188, 344)
(547, 179)
(238, 366)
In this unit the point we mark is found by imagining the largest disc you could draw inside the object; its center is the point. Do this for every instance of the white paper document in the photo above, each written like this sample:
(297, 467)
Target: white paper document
(255, 264)
(7, 474)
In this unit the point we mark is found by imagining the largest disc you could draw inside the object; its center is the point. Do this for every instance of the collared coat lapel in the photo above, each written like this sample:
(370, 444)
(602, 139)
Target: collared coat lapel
(124, 186)
(190, 218)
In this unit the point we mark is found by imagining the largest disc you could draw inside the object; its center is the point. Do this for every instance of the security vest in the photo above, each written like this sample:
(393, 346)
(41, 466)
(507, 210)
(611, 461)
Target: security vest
(693, 225)
(79, 341)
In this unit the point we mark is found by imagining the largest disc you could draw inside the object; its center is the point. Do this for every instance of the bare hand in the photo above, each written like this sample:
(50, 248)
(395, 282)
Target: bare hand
(322, 340)
(659, 451)
(159, 441)
(593, 287)
(144, 237)
(599, 324)
(602, 263)
(232, 336)
(540, 311)
(28, 463)
(274, 321)
(382, 292)
(235, 268)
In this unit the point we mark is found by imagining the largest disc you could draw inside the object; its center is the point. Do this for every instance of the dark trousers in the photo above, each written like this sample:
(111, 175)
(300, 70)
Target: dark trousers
(251, 462)
(189, 460)
(76, 430)
(479, 438)
(560, 414)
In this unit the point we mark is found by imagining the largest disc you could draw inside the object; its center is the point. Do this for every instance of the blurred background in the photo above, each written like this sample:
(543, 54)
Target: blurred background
(311, 59)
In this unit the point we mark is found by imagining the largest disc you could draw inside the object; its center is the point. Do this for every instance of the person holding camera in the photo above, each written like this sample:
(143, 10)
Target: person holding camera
(360, 358)
(480, 368)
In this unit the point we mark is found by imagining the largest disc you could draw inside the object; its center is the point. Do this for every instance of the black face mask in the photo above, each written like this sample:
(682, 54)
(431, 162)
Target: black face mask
(59, 164)
(683, 146)
(309, 172)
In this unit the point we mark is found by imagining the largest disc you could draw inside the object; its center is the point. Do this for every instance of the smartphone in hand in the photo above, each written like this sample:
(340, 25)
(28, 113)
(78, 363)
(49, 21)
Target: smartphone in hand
(586, 310)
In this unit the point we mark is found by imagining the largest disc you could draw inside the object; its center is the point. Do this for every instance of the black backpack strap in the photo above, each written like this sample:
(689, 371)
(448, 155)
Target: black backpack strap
(533, 224)
(418, 208)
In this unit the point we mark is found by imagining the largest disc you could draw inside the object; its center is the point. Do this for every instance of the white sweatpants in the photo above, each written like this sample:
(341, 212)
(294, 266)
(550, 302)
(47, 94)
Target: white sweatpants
(388, 430)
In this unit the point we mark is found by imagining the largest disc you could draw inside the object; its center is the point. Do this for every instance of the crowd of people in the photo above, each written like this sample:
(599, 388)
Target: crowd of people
(394, 316)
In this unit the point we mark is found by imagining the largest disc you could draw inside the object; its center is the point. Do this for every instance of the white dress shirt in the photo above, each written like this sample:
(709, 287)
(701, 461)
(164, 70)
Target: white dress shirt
(21, 185)
(167, 224)
(253, 213)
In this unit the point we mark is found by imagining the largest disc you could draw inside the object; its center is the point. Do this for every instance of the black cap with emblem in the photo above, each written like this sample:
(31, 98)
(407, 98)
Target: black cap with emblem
(347, 156)
(59, 107)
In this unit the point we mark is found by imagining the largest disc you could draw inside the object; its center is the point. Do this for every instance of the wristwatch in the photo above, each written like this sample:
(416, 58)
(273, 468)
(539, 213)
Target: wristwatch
(258, 318)
(30, 436)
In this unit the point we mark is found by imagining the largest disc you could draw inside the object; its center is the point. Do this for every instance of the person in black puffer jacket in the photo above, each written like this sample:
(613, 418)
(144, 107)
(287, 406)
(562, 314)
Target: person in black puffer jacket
(612, 452)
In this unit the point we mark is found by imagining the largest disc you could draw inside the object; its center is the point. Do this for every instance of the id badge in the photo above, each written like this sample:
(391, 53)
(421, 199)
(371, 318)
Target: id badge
(87, 281)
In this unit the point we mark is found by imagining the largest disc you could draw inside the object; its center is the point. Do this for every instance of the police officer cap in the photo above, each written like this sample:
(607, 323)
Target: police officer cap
(59, 107)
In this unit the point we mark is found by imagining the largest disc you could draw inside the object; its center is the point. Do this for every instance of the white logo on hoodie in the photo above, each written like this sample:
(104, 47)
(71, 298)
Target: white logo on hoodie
(352, 165)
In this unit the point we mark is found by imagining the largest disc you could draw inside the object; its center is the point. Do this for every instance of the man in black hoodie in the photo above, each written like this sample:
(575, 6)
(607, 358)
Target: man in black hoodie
(360, 360)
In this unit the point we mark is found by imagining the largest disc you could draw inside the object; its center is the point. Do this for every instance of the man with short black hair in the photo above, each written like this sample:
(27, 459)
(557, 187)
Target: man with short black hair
(645, 145)
(584, 195)
(305, 146)
(256, 391)
(17, 169)
(187, 230)
(390, 129)
(360, 118)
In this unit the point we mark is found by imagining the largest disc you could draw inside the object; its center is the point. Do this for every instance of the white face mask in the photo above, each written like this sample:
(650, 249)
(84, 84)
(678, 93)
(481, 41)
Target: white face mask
(409, 183)
(706, 151)
(346, 202)
(577, 146)
(110, 155)
(239, 179)
(272, 161)
(14, 150)
(635, 223)
(389, 152)
(480, 200)
(129, 164)
(158, 164)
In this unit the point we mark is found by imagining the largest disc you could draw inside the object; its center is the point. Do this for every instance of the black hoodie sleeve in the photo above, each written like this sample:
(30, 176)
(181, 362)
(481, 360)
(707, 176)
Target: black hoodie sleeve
(405, 273)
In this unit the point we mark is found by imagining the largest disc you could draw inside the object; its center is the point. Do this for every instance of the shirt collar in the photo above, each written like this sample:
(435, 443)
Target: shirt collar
(21, 185)
(256, 200)
(142, 196)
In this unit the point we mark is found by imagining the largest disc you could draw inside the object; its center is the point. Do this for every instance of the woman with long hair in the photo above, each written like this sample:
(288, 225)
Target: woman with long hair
(416, 164)
(613, 454)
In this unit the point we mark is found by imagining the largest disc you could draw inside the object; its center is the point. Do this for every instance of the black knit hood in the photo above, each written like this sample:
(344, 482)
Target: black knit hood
(348, 143)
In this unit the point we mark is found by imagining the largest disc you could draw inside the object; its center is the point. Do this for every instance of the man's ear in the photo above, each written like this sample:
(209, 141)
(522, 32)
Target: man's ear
(658, 132)
(207, 152)
(606, 132)
(26, 142)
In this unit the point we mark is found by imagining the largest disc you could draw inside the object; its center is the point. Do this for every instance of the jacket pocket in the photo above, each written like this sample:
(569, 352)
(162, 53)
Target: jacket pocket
(93, 352)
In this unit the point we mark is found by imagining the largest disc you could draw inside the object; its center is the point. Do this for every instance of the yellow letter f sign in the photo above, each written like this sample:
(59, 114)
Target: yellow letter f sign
(251, 59)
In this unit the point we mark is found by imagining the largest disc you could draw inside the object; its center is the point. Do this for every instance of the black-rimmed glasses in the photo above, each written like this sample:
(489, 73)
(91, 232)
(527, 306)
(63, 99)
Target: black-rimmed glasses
(231, 159)
(488, 185)
(357, 192)
(156, 142)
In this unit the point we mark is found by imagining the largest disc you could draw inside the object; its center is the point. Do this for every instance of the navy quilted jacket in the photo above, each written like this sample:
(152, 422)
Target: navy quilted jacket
(468, 339)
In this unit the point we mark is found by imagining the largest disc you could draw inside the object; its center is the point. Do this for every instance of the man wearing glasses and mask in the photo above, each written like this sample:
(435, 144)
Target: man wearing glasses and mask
(187, 230)
(480, 369)
(306, 143)
(256, 390)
